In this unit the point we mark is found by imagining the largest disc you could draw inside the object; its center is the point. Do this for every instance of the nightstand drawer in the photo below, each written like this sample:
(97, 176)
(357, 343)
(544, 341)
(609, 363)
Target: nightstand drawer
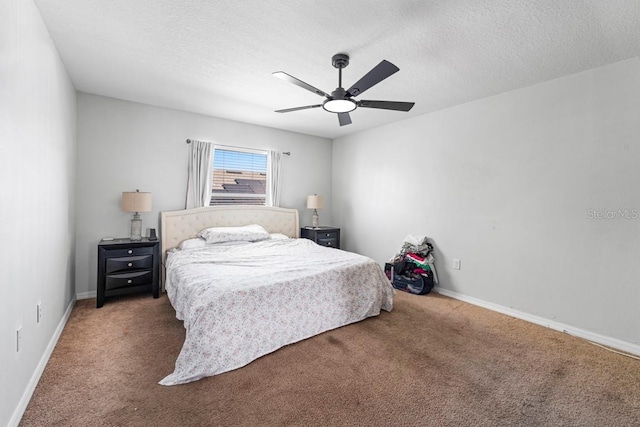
(129, 263)
(131, 251)
(331, 243)
(327, 235)
(116, 281)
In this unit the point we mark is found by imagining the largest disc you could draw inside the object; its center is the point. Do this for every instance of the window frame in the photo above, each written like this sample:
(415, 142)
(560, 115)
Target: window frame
(267, 173)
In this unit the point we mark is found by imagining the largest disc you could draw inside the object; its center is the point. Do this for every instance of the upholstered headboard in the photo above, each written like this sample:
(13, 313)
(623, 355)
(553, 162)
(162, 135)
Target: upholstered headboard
(176, 226)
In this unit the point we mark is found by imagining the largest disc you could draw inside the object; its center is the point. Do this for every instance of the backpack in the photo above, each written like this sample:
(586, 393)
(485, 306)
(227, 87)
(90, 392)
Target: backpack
(404, 278)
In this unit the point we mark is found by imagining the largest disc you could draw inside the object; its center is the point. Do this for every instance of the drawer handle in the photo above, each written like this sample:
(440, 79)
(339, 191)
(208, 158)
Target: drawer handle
(130, 265)
(130, 251)
(129, 281)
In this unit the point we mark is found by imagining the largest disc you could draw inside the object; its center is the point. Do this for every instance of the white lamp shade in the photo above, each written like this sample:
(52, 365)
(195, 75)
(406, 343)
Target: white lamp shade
(135, 201)
(315, 202)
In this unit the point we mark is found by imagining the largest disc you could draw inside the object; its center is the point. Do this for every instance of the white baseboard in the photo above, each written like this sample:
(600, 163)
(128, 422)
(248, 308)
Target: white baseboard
(86, 295)
(625, 346)
(31, 387)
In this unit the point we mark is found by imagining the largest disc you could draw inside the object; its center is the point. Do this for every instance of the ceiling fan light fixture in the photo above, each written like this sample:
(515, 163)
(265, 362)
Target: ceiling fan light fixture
(339, 105)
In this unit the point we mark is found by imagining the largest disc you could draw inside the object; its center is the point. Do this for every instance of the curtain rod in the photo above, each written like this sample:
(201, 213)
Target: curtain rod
(286, 153)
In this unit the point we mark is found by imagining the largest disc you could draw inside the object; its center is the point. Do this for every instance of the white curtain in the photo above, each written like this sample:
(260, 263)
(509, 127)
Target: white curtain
(275, 181)
(200, 170)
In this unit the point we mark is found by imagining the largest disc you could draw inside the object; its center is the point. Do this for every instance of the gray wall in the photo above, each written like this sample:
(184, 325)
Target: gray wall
(512, 185)
(37, 170)
(123, 146)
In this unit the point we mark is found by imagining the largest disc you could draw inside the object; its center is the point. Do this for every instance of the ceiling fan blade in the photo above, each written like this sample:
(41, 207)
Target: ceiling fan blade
(387, 105)
(344, 119)
(306, 107)
(373, 77)
(289, 78)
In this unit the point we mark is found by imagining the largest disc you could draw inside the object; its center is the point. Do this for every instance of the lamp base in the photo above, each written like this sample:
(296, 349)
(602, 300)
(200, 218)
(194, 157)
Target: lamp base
(314, 219)
(136, 227)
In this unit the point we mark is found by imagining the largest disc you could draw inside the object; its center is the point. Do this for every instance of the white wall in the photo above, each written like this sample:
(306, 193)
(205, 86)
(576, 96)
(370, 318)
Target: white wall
(123, 146)
(507, 184)
(37, 171)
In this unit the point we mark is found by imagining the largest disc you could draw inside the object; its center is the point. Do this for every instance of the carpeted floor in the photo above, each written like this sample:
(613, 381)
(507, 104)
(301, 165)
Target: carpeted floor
(433, 361)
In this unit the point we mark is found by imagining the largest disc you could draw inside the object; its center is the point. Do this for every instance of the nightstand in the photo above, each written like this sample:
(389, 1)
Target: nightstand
(127, 266)
(324, 236)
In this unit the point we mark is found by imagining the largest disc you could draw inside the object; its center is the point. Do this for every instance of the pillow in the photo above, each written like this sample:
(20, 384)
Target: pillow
(279, 236)
(248, 233)
(231, 243)
(197, 242)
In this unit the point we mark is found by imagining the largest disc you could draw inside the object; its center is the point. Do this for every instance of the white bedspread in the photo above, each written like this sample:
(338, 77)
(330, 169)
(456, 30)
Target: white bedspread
(241, 302)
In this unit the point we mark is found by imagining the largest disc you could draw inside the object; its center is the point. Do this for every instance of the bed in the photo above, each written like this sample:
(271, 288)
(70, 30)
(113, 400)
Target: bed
(241, 301)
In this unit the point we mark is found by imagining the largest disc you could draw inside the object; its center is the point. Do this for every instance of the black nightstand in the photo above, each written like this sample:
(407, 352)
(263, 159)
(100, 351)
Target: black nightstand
(324, 236)
(126, 266)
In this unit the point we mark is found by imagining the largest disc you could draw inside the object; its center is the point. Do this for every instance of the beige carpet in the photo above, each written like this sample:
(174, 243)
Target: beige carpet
(433, 361)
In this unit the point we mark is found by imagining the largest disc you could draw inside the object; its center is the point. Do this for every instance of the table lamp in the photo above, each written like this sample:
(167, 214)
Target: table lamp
(315, 202)
(135, 201)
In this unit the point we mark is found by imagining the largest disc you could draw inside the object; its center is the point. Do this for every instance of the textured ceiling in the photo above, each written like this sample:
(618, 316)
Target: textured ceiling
(216, 57)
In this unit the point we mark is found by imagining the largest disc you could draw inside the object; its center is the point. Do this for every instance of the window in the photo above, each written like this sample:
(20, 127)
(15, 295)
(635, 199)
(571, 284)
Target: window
(239, 177)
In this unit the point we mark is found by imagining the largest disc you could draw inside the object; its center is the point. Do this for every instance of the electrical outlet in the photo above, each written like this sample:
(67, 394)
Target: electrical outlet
(456, 263)
(39, 312)
(18, 339)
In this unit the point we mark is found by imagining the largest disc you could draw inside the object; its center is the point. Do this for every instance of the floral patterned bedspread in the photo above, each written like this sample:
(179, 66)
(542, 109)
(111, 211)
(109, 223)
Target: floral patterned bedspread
(241, 302)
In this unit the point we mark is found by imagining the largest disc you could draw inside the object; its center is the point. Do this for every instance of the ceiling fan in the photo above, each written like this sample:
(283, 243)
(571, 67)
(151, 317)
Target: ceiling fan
(341, 101)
